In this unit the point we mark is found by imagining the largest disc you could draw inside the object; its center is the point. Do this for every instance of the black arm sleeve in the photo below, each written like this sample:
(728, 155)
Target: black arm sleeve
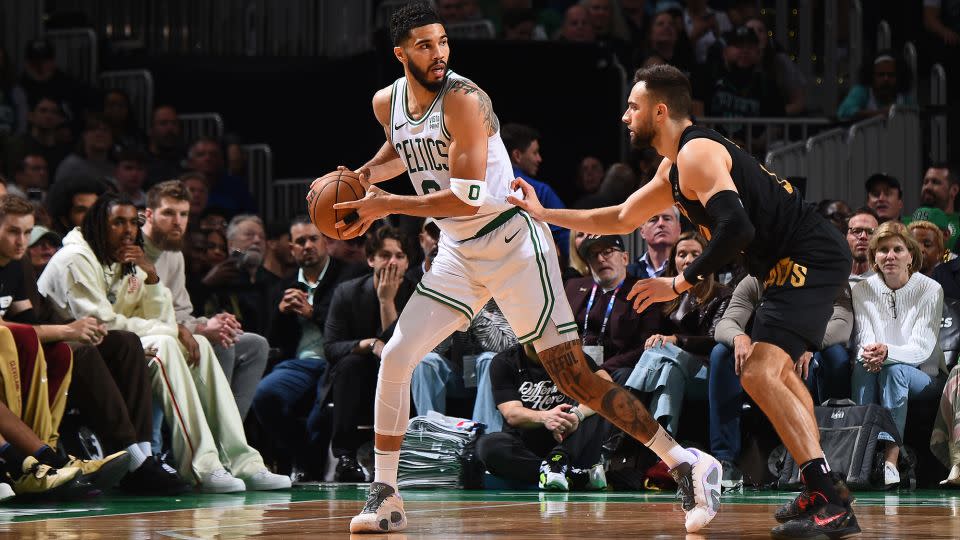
(732, 232)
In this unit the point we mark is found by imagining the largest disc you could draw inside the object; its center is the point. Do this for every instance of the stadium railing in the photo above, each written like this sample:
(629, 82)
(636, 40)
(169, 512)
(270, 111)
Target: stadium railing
(835, 163)
(778, 131)
(196, 125)
(288, 198)
(138, 84)
(260, 176)
(938, 121)
(76, 52)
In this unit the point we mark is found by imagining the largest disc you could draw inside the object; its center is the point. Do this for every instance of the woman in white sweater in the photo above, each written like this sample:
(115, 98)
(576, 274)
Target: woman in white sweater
(897, 314)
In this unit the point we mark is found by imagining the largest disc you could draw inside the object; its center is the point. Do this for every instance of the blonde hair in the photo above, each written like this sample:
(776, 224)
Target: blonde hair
(576, 261)
(930, 226)
(895, 229)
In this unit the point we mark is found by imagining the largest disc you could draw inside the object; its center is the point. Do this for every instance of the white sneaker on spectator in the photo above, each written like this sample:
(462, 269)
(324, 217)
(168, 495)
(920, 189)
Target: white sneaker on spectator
(6, 492)
(221, 481)
(264, 480)
(890, 474)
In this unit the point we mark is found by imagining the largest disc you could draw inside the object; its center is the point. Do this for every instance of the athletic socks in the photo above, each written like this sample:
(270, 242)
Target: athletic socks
(815, 475)
(386, 464)
(136, 457)
(12, 460)
(145, 448)
(663, 445)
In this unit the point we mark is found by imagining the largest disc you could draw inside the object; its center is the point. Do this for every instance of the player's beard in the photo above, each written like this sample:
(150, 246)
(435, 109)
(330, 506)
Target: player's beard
(421, 77)
(643, 136)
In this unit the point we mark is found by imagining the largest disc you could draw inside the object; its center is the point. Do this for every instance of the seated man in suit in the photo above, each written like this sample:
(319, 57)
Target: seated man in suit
(361, 320)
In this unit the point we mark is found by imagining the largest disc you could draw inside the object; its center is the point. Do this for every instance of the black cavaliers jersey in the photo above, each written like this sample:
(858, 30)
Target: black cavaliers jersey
(775, 208)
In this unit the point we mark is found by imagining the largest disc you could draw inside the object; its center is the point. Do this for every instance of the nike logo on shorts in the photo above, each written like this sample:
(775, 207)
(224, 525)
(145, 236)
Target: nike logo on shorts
(511, 237)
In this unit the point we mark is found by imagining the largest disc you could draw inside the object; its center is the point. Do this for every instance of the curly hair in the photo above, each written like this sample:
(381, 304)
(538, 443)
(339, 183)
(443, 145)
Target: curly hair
(96, 224)
(410, 16)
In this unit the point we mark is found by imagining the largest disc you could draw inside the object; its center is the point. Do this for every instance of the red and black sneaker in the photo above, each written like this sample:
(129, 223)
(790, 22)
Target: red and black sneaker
(809, 502)
(830, 522)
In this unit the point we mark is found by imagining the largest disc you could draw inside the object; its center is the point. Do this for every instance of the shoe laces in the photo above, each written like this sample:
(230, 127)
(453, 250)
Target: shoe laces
(378, 493)
(683, 475)
(557, 463)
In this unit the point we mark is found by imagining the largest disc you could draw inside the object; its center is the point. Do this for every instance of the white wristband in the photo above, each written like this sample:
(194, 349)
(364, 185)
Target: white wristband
(472, 192)
(577, 412)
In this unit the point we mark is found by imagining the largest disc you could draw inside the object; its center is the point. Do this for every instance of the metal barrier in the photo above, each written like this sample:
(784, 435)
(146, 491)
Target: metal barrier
(788, 160)
(779, 131)
(855, 42)
(21, 22)
(289, 198)
(196, 125)
(481, 29)
(233, 27)
(825, 169)
(138, 84)
(910, 59)
(385, 11)
(76, 52)
(260, 176)
(884, 36)
(938, 122)
(902, 154)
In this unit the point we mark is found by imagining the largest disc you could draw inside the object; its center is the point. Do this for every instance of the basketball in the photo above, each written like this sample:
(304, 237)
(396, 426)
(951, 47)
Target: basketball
(334, 187)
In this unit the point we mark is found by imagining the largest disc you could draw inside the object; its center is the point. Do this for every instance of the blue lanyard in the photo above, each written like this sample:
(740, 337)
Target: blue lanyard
(606, 316)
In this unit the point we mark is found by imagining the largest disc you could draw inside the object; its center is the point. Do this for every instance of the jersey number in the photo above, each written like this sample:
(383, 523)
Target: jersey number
(429, 186)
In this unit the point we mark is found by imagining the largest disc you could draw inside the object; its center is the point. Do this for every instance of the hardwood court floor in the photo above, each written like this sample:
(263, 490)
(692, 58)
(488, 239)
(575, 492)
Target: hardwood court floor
(324, 512)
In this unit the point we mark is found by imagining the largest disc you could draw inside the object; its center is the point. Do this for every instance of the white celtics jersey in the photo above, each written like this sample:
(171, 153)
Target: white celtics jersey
(423, 146)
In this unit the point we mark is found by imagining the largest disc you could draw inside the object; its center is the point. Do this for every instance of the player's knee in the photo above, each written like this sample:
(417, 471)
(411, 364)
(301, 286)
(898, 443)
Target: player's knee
(753, 376)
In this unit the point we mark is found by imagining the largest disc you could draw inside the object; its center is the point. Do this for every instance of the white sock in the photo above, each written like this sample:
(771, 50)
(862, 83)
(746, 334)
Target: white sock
(136, 457)
(145, 448)
(386, 464)
(663, 445)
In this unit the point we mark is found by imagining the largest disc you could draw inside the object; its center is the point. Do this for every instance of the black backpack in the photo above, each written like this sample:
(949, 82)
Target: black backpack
(853, 438)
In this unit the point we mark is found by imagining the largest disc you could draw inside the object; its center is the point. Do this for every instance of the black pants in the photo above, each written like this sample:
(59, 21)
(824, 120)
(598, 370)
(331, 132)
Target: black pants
(516, 455)
(111, 387)
(354, 390)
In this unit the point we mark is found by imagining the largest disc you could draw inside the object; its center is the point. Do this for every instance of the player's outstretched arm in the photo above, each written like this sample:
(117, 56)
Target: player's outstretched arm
(623, 218)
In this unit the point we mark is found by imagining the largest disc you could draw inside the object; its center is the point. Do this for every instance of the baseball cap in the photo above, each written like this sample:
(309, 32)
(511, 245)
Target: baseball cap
(881, 178)
(741, 35)
(39, 232)
(934, 215)
(605, 241)
(39, 49)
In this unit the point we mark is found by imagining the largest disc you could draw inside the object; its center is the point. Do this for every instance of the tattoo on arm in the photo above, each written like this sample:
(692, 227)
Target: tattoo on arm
(490, 120)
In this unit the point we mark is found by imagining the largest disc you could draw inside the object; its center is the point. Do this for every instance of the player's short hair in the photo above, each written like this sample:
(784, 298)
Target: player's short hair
(668, 85)
(410, 16)
(171, 189)
(376, 239)
(12, 205)
(518, 137)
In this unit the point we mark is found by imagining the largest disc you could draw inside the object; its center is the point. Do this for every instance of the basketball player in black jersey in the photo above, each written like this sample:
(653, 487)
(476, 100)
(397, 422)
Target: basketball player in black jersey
(743, 209)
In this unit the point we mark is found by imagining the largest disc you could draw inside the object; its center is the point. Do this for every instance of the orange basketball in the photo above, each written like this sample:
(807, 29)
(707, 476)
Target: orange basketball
(334, 187)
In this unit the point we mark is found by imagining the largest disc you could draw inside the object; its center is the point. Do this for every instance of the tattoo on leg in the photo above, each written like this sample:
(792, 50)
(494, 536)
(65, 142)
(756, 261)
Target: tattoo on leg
(625, 411)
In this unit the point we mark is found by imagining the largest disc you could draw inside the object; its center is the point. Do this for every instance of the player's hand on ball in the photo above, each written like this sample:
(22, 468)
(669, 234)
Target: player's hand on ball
(373, 206)
(651, 291)
(530, 203)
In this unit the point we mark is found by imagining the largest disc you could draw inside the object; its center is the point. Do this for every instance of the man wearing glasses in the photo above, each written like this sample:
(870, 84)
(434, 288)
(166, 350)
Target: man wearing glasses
(860, 228)
(613, 334)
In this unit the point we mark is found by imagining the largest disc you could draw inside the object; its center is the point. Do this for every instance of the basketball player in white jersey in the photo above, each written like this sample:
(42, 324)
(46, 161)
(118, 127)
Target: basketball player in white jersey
(441, 130)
